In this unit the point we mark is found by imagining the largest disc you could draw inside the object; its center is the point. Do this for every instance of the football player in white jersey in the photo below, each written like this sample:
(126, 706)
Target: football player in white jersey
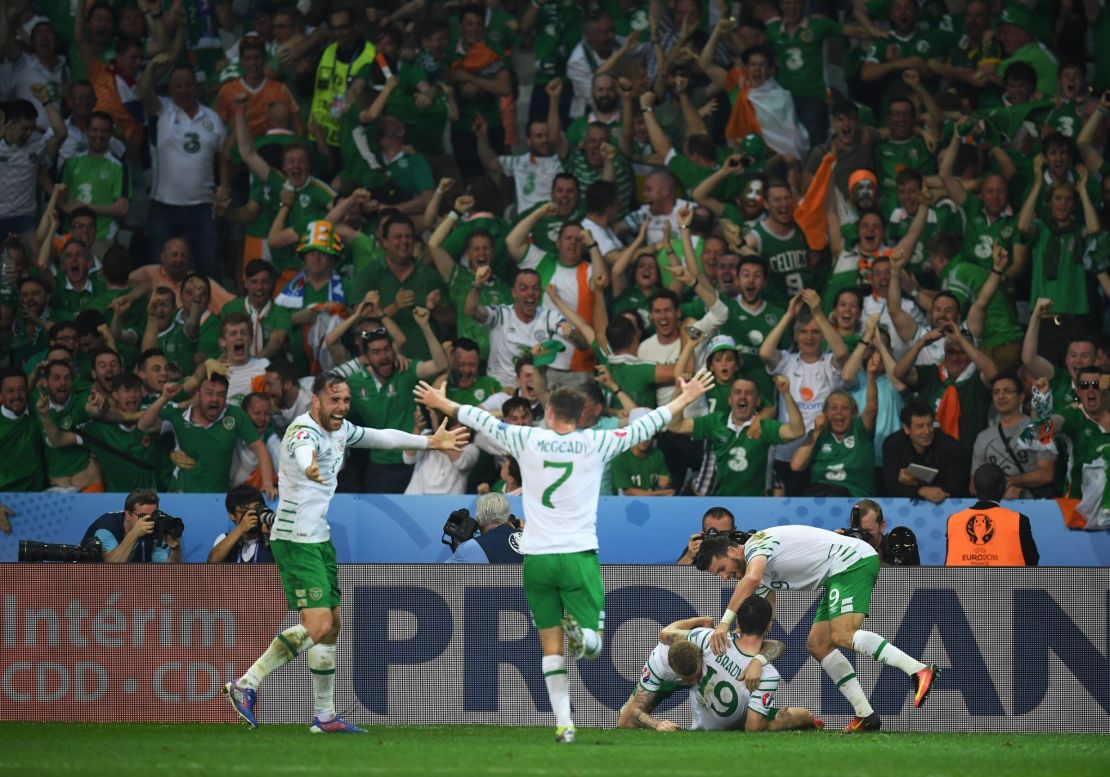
(311, 457)
(719, 697)
(562, 467)
(805, 558)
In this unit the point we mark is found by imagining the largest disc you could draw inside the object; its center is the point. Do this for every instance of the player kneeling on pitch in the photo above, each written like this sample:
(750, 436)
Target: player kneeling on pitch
(719, 697)
(804, 558)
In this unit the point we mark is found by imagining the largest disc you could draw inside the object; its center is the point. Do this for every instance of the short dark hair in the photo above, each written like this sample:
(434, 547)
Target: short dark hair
(140, 496)
(909, 175)
(394, 220)
(234, 319)
(326, 380)
(567, 176)
(57, 363)
(516, 403)
(284, 369)
(764, 50)
(465, 344)
(1022, 72)
(477, 233)
(83, 212)
(566, 404)
(254, 395)
(20, 110)
(103, 117)
(945, 244)
(945, 294)
(524, 271)
(218, 377)
(701, 144)
(242, 496)
(620, 333)
(753, 616)
(915, 410)
(255, 266)
(667, 294)
(990, 482)
(712, 548)
(600, 195)
(719, 512)
(1010, 377)
(126, 380)
(117, 264)
(146, 355)
(104, 350)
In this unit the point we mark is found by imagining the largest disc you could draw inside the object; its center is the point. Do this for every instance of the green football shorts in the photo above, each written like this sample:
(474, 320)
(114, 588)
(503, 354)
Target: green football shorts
(555, 583)
(849, 591)
(309, 573)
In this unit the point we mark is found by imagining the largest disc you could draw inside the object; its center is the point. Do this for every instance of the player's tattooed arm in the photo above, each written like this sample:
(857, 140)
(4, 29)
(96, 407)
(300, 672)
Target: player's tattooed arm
(681, 629)
(636, 712)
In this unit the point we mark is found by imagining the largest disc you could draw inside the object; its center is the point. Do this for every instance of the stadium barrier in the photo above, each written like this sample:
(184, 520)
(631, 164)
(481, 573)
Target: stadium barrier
(1022, 650)
(384, 529)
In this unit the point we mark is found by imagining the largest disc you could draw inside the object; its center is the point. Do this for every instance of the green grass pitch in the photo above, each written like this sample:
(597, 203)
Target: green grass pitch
(146, 749)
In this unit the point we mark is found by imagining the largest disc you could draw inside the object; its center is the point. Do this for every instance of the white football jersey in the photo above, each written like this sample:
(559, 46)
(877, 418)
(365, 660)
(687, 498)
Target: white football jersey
(302, 514)
(801, 558)
(721, 699)
(562, 474)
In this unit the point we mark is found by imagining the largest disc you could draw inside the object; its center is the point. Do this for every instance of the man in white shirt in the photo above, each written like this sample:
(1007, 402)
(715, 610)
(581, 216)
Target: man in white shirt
(595, 53)
(601, 213)
(243, 369)
(514, 329)
(813, 374)
(289, 394)
(533, 173)
(186, 142)
(661, 205)
(42, 65)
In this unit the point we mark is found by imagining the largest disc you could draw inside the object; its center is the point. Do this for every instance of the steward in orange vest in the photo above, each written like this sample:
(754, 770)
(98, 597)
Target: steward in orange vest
(987, 534)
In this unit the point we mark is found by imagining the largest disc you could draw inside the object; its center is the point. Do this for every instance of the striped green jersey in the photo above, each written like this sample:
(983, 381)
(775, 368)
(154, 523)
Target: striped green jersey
(802, 557)
(562, 474)
(721, 698)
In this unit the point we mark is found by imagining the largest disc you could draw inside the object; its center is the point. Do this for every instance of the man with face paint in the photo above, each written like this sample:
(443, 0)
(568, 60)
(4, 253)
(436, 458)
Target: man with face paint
(749, 205)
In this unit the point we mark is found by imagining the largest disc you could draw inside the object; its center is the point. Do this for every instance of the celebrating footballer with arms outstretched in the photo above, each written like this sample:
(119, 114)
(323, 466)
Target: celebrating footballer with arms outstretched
(562, 467)
(311, 457)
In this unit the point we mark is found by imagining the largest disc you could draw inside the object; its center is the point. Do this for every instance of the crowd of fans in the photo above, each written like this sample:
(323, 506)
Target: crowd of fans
(879, 226)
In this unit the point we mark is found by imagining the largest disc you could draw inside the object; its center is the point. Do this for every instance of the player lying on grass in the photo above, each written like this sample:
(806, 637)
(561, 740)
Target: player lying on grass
(719, 697)
(804, 558)
(562, 467)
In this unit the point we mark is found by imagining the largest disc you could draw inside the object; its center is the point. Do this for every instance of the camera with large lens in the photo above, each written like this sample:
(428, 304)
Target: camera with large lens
(266, 518)
(166, 525)
(737, 536)
(89, 551)
(460, 527)
(859, 533)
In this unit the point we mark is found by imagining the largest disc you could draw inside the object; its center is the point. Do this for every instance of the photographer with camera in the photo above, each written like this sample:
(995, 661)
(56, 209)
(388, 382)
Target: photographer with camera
(898, 548)
(140, 532)
(492, 536)
(717, 521)
(249, 541)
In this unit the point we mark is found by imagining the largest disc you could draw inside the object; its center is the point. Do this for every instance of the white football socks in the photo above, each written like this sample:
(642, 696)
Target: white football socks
(591, 643)
(558, 688)
(871, 644)
(840, 671)
(285, 647)
(321, 663)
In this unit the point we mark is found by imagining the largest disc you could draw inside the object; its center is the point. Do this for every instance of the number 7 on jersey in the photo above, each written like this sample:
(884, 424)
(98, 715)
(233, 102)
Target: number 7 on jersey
(568, 466)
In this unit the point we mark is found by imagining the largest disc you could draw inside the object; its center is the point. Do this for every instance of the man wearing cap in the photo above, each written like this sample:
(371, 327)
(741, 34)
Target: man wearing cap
(314, 290)
(1017, 34)
(381, 396)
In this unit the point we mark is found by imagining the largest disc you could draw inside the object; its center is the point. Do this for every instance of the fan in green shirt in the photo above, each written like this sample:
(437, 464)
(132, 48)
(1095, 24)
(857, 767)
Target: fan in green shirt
(464, 384)
(840, 449)
(641, 471)
(1086, 426)
(568, 210)
(403, 283)
(62, 410)
(21, 437)
(129, 457)
(76, 288)
(1057, 244)
(742, 454)
(381, 396)
(207, 432)
(98, 180)
(271, 323)
(957, 388)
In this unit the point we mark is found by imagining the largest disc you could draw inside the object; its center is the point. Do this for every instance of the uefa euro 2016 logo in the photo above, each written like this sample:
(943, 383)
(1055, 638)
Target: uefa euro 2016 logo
(980, 529)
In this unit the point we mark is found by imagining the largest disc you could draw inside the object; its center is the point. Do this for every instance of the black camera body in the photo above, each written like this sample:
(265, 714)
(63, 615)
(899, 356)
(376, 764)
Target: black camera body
(460, 527)
(89, 551)
(737, 536)
(166, 525)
